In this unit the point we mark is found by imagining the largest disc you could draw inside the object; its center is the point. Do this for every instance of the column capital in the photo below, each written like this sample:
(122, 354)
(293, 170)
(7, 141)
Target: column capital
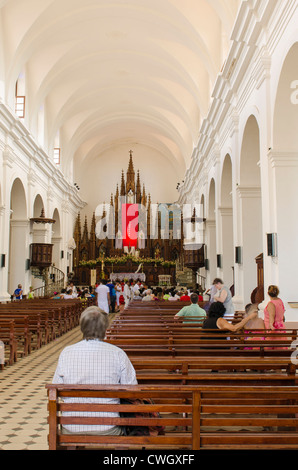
(283, 159)
(248, 191)
(225, 211)
(210, 223)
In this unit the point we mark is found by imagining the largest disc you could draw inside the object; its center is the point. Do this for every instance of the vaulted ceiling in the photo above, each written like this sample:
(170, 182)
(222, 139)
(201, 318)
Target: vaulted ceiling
(108, 72)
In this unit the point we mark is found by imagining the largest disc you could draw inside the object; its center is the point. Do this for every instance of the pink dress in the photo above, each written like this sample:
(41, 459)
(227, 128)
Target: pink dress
(279, 314)
(279, 317)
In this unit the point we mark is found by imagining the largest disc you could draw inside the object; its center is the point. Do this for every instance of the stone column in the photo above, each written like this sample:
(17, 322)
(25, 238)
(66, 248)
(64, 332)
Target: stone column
(250, 221)
(4, 250)
(211, 251)
(282, 269)
(227, 244)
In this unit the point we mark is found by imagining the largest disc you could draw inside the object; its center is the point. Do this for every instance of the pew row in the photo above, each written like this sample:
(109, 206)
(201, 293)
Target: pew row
(27, 325)
(184, 417)
(216, 370)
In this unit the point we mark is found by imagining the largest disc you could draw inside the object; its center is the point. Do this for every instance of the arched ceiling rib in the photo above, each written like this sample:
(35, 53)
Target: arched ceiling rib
(118, 70)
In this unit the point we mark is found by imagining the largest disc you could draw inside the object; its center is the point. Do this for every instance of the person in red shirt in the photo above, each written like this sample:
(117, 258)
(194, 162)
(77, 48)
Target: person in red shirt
(185, 297)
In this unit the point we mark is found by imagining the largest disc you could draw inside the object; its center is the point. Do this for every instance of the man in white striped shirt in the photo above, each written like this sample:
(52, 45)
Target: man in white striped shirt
(92, 361)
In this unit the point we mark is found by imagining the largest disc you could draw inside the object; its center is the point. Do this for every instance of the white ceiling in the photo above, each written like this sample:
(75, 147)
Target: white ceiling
(109, 72)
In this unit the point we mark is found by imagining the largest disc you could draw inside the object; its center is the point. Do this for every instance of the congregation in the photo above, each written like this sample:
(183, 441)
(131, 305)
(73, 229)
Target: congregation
(109, 295)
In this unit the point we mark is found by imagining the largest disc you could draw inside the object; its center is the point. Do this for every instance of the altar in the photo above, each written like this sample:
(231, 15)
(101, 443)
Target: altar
(122, 277)
(130, 238)
(146, 270)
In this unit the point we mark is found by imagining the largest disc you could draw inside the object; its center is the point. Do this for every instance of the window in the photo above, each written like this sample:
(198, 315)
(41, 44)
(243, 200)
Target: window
(20, 96)
(57, 156)
(20, 106)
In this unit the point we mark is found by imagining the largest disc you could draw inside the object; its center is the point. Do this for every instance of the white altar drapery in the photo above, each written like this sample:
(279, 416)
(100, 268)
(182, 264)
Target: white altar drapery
(129, 276)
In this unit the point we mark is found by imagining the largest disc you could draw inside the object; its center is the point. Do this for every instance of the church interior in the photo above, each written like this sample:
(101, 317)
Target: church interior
(151, 142)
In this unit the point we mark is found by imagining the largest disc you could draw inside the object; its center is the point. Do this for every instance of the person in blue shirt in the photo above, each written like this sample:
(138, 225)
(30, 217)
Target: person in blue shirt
(111, 286)
(18, 293)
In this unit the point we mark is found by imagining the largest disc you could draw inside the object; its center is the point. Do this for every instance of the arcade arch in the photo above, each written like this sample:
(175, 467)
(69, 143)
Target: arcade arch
(226, 222)
(249, 191)
(284, 170)
(58, 252)
(211, 232)
(19, 237)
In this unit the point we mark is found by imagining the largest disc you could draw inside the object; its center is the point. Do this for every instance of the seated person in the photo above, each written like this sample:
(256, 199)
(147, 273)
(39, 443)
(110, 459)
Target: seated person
(69, 295)
(174, 296)
(148, 296)
(192, 310)
(166, 295)
(93, 361)
(254, 324)
(136, 295)
(185, 297)
(257, 323)
(215, 320)
(158, 295)
(59, 296)
(201, 299)
(18, 293)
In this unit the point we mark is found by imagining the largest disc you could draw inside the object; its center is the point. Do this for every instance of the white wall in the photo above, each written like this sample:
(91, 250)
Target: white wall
(253, 117)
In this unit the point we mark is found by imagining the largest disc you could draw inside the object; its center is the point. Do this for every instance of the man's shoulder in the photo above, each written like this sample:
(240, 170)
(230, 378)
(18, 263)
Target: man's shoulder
(183, 310)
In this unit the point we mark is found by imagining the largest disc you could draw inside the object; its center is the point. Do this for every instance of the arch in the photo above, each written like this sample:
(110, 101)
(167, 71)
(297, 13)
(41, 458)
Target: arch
(211, 232)
(250, 153)
(18, 204)
(18, 236)
(249, 192)
(225, 216)
(284, 169)
(57, 225)
(286, 105)
(211, 200)
(202, 203)
(38, 205)
(58, 251)
(226, 182)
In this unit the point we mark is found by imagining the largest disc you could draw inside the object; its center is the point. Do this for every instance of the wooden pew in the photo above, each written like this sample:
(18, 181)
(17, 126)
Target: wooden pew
(192, 417)
(35, 323)
(171, 345)
(215, 370)
(9, 340)
(18, 328)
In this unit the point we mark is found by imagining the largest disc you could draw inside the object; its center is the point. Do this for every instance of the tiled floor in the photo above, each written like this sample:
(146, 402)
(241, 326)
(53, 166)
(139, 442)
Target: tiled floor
(23, 397)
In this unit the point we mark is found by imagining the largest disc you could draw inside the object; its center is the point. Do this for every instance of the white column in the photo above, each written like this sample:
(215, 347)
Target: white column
(227, 246)
(19, 252)
(282, 270)
(56, 255)
(4, 249)
(211, 250)
(251, 239)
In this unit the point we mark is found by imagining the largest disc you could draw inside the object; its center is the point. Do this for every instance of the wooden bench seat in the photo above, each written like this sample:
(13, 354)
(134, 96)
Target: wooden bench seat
(19, 329)
(35, 323)
(192, 417)
(10, 342)
(215, 370)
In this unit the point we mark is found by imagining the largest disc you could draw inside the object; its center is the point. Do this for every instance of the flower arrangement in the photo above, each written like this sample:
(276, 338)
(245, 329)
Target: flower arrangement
(123, 260)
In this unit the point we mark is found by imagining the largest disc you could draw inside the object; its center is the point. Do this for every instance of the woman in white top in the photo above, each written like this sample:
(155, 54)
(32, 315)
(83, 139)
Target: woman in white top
(126, 294)
(118, 290)
(103, 296)
(224, 296)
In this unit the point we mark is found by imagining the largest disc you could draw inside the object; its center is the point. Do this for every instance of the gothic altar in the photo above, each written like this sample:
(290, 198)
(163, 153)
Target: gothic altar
(127, 267)
(121, 241)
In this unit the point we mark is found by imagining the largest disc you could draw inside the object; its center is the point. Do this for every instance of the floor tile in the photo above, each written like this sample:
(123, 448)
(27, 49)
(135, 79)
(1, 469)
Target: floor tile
(23, 397)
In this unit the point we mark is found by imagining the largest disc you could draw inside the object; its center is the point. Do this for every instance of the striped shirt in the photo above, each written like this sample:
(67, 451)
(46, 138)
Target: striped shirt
(93, 362)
